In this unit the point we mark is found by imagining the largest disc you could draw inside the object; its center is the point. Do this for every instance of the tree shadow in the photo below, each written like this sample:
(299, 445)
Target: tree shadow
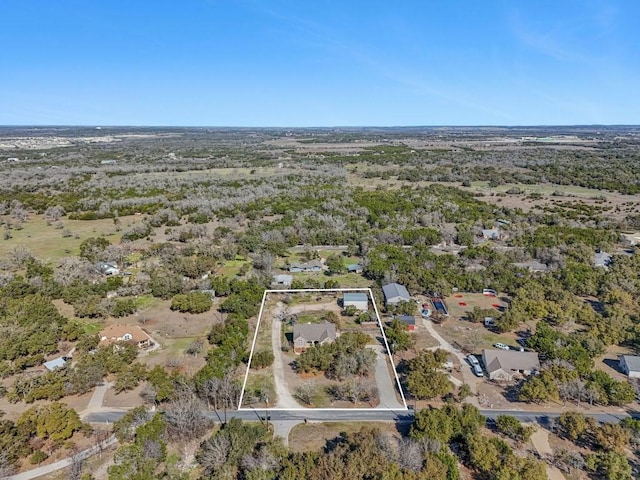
(614, 364)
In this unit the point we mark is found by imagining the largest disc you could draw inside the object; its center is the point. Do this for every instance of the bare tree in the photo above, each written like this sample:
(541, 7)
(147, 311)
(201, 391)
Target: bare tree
(184, 417)
(214, 453)
(75, 469)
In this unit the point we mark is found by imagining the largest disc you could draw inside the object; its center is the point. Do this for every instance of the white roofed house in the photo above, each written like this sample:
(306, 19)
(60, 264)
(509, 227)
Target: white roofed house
(630, 365)
(505, 364)
(395, 293)
(356, 299)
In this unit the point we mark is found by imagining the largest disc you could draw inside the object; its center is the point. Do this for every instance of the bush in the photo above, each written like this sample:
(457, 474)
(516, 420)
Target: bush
(192, 302)
(38, 457)
(262, 359)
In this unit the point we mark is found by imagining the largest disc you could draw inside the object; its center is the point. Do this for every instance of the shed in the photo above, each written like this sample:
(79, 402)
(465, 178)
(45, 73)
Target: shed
(356, 299)
(630, 365)
(355, 268)
(395, 293)
(409, 321)
(55, 364)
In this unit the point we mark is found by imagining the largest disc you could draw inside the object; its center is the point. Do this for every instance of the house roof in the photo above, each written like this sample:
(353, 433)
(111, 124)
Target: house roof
(393, 290)
(510, 360)
(633, 362)
(55, 363)
(602, 259)
(352, 267)
(314, 332)
(115, 332)
(408, 319)
(283, 278)
(491, 232)
(355, 297)
(309, 264)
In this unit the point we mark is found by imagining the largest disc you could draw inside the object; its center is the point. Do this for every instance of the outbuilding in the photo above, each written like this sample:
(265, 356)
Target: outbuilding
(395, 293)
(630, 365)
(356, 299)
(409, 321)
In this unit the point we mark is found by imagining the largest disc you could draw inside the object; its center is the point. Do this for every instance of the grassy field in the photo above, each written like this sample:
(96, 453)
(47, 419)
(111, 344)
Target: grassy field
(231, 268)
(47, 242)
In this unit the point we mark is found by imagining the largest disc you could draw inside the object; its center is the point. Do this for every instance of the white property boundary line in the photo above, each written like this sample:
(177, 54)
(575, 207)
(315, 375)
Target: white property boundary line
(310, 290)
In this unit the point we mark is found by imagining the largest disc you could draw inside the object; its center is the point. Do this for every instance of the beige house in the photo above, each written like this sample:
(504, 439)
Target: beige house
(505, 364)
(307, 335)
(125, 333)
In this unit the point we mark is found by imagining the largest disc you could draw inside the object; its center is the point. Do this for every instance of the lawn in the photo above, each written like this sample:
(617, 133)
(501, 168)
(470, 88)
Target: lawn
(231, 268)
(48, 243)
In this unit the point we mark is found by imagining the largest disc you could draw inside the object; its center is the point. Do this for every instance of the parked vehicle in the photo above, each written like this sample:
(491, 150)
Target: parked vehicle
(473, 361)
(501, 346)
(477, 370)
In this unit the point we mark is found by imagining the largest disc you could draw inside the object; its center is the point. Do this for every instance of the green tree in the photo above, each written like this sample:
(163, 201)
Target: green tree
(192, 302)
(425, 379)
(398, 336)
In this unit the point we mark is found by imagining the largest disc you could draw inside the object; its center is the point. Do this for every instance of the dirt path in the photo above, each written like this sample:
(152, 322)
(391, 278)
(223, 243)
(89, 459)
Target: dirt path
(285, 399)
(540, 441)
(468, 377)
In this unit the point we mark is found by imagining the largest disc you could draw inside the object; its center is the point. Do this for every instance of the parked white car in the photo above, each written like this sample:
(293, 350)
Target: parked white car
(477, 370)
(473, 361)
(501, 346)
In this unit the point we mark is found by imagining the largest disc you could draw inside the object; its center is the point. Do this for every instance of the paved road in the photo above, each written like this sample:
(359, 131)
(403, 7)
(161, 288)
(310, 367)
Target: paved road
(359, 415)
(386, 385)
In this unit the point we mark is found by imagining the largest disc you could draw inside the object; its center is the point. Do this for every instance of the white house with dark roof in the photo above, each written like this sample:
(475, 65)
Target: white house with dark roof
(504, 364)
(630, 365)
(356, 299)
(307, 335)
(395, 293)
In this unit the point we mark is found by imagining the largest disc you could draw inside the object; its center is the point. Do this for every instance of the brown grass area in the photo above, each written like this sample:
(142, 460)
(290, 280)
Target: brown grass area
(314, 436)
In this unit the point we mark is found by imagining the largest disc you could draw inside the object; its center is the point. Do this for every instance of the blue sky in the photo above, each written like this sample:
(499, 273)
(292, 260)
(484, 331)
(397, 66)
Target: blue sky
(321, 63)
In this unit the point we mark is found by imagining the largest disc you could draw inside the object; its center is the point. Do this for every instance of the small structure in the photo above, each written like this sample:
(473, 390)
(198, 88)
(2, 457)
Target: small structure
(395, 293)
(126, 333)
(108, 268)
(355, 299)
(491, 233)
(489, 322)
(602, 259)
(409, 321)
(504, 364)
(282, 280)
(355, 268)
(311, 266)
(55, 364)
(307, 335)
(630, 365)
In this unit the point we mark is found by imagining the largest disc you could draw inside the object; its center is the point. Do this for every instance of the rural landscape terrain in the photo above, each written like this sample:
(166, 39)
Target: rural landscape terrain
(440, 303)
